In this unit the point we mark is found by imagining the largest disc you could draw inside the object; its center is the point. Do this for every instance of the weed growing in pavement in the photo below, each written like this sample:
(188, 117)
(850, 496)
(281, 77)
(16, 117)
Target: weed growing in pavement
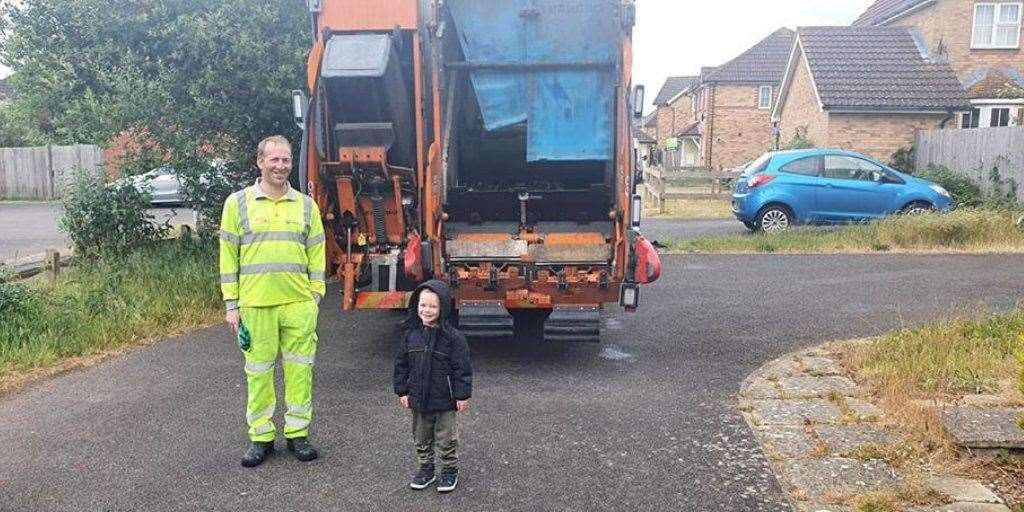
(949, 358)
(103, 305)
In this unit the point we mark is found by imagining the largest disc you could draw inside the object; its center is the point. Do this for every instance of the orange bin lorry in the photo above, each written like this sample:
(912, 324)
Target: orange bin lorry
(484, 143)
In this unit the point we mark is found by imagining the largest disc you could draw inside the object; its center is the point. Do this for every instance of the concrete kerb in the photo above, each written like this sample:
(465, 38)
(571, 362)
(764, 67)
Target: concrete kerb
(819, 432)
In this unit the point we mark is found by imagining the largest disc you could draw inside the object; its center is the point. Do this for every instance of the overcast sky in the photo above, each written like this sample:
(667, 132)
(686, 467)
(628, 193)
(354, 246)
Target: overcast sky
(677, 37)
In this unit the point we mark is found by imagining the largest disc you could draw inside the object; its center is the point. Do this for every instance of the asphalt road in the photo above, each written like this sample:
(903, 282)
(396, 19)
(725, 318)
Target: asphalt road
(664, 230)
(644, 421)
(29, 228)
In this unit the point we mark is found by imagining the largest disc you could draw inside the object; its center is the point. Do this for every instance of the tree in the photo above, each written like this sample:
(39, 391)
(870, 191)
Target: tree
(212, 71)
(201, 79)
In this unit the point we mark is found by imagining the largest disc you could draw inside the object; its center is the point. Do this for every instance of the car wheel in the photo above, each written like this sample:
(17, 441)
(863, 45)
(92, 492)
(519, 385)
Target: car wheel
(774, 219)
(917, 208)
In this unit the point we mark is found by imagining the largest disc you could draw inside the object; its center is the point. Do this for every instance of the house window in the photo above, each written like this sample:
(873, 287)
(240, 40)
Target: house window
(999, 117)
(996, 25)
(970, 119)
(764, 97)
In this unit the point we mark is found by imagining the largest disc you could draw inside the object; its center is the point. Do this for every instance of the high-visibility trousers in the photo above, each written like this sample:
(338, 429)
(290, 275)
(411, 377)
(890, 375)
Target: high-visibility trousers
(291, 330)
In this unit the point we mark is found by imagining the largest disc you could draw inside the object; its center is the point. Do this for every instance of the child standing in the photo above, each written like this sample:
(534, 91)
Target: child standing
(433, 377)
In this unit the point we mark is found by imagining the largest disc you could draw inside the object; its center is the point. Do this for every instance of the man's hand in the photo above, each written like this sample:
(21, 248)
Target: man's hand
(404, 401)
(232, 317)
(462, 405)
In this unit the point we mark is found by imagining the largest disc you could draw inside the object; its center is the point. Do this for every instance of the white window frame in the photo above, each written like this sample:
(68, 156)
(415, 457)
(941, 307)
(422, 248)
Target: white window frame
(760, 96)
(996, 10)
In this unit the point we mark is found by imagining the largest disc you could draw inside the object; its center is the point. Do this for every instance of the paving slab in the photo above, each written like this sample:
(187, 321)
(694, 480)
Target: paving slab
(817, 387)
(969, 507)
(843, 439)
(780, 368)
(976, 427)
(795, 412)
(786, 442)
(863, 410)
(962, 489)
(818, 476)
(821, 366)
(761, 388)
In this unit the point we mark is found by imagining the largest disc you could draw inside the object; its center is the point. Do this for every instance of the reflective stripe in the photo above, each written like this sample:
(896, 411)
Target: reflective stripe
(228, 278)
(264, 268)
(316, 276)
(307, 212)
(230, 304)
(265, 428)
(259, 367)
(310, 242)
(243, 211)
(226, 236)
(265, 413)
(273, 236)
(295, 423)
(300, 410)
(297, 358)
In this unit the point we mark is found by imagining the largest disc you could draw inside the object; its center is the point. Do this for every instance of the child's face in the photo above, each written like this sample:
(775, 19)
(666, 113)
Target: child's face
(429, 307)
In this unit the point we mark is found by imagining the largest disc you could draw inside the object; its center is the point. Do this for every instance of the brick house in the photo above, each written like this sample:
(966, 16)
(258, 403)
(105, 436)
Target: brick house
(674, 112)
(865, 89)
(732, 103)
(981, 40)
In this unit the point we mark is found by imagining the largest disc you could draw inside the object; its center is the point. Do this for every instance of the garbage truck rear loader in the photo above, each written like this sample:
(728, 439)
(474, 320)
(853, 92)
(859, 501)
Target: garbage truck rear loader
(487, 144)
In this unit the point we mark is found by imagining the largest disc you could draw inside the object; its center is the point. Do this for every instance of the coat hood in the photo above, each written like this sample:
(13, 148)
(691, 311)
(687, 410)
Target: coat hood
(444, 294)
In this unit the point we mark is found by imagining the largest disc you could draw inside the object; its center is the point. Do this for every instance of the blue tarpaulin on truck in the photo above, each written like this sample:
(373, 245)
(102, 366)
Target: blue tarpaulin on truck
(522, 46)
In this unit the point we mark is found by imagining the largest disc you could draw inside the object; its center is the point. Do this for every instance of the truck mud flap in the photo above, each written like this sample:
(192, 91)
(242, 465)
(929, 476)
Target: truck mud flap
(574, 324)
(485, 319)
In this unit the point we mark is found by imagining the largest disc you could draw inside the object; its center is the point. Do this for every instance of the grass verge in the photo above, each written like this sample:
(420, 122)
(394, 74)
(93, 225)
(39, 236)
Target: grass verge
(98, 307)
(911, 369)
(962, 230)
(693, 209)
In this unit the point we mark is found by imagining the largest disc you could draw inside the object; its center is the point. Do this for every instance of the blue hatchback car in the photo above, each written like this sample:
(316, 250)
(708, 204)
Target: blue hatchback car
(821, 186)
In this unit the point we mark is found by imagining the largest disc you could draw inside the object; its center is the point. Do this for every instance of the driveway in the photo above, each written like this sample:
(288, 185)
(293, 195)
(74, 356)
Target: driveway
(29, 228)
(645, 420)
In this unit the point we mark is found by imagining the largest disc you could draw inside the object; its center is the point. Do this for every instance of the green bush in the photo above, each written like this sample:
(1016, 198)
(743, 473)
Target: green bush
(799, 140)
(903, 160)
(93, 308)
(106, 219)
(964, 191)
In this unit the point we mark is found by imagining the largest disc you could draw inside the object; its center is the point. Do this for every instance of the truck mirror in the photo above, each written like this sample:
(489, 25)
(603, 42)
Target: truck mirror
(638, 101)
(299, 108)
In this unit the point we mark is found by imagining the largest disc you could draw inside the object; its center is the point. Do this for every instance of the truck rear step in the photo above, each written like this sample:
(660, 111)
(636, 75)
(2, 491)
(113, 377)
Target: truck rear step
(485, 319)
(574, 324)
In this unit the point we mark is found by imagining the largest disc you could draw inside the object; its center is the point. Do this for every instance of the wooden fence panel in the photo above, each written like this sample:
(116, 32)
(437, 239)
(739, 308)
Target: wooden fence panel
(975, 153)
(36, 173)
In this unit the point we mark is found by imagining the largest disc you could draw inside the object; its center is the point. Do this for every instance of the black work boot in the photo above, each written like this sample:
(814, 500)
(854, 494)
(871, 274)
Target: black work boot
(449, 479)
(302, 449)
(423, 477)
(257, 453)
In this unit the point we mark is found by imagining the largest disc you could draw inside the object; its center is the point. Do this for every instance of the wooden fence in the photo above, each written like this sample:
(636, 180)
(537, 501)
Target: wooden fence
(975, 153)
(659, 184)
(36, 173)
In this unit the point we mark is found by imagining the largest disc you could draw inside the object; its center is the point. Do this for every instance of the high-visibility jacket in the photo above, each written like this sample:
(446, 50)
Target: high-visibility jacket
(271, 251)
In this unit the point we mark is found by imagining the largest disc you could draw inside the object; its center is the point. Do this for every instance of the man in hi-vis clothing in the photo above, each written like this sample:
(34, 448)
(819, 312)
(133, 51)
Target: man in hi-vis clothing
(272, 278)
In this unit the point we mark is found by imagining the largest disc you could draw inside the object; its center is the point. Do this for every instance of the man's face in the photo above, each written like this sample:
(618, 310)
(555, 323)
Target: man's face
(429, 307)
(276, 164)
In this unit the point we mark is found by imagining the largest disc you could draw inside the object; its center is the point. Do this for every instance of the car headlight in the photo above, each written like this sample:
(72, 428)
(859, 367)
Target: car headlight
(939, 190)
